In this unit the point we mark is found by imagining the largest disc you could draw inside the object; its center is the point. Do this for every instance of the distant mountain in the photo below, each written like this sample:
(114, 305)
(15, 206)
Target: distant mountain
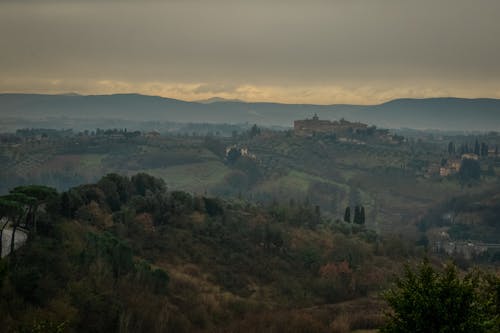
(69, 94)
(218, 99)
(431, 113)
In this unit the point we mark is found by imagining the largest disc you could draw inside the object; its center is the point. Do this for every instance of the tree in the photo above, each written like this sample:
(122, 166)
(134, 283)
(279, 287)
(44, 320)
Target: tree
(233, 154)
(41, 194)
(451, 148)
(26, 203)
(484, 149)
(356, 215)
(254, 131)
(470, 170)
(347, 215)
(122, 185)
(9, 211)
(477, 148)
(362, 215)
(426, 300)
(143, 183)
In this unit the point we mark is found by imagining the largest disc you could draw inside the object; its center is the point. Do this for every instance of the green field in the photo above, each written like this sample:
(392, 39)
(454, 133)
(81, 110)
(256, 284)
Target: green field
(195, 177)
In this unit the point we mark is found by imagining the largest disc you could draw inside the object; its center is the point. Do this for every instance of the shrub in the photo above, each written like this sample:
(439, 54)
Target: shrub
(429, 301)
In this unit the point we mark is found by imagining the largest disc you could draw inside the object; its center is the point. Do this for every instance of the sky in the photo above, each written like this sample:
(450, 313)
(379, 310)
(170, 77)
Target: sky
(289, 51)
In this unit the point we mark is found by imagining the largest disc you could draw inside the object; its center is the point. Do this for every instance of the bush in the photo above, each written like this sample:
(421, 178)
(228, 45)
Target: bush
(429, 301)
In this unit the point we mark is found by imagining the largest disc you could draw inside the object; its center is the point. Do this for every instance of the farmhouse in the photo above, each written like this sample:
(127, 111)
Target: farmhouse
(470, 156)
(451, 167)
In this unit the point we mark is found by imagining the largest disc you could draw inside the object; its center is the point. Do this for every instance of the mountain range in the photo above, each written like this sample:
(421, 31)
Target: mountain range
(431, 113)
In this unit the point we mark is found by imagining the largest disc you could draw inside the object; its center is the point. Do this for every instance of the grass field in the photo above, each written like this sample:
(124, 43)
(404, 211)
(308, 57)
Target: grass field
(91, 160)
(195, 177)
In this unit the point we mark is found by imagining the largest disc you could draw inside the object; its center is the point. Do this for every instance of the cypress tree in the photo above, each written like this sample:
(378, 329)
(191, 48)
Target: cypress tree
(477, 148)
(347, 215)
(357, 215)
(451, 148)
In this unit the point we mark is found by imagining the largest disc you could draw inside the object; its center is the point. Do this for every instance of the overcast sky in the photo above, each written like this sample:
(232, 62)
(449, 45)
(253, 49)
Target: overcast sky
(309, 51)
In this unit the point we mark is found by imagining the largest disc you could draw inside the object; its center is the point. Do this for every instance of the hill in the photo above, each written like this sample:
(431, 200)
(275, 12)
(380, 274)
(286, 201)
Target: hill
(433, 113)
(125, 255)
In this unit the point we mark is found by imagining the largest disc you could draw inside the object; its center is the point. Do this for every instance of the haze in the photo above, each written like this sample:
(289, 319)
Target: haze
(324, 52)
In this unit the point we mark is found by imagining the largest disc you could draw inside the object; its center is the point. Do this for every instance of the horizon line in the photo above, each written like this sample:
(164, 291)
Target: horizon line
(238, 100)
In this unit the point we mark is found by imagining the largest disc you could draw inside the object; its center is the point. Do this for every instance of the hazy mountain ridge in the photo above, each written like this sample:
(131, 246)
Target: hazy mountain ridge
(217, 99)
(435, 113)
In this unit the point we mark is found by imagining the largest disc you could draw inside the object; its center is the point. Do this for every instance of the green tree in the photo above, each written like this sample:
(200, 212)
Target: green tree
(484, 149)
(357, 215)
(254, 131)
(451, 148)
(144, 183)
(477, 148)
(232, 155)
(362, 215)
(429, 301)
(41, 194)
(26, 203)
(9, 212)
(347, 215)
(469, 170)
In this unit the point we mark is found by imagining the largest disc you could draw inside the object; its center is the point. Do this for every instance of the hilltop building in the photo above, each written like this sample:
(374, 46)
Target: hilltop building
(309, 127)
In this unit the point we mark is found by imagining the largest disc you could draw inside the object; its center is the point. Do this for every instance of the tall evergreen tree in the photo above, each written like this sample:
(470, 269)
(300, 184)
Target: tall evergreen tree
(451, 148)
(477, 148)
(347, 215)
(362, 215)
(357, 215)
(484, 149)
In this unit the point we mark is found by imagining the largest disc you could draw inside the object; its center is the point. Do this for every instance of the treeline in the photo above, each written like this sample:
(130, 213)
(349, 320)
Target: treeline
(478, 148)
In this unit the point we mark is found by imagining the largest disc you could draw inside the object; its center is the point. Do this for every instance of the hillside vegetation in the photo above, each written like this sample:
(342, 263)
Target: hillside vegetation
(124, 254)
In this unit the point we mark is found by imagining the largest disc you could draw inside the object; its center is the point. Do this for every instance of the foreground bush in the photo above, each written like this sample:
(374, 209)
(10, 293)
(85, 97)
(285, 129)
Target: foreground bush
(429, 301)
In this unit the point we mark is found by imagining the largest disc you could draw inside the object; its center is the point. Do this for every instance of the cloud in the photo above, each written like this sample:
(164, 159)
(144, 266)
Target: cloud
(215, 88)
(312, 51)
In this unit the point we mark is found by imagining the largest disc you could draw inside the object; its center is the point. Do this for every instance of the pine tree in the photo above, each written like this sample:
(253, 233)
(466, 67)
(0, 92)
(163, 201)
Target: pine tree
(362, 215)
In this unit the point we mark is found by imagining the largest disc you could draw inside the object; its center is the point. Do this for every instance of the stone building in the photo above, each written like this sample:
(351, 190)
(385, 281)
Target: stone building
(309, 127)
